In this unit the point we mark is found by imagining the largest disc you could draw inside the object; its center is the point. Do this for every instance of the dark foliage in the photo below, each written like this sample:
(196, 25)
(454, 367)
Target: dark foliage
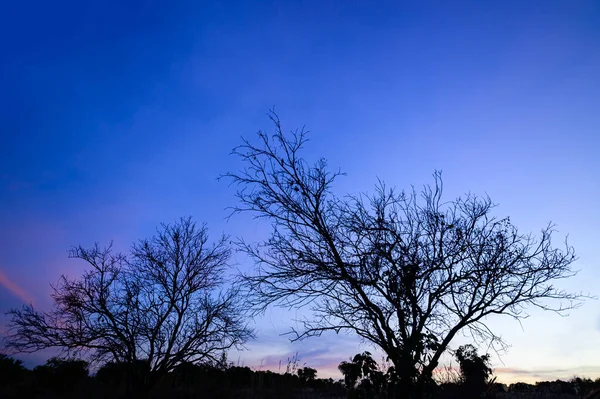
(62, 376)
(12, 371)
(363, 378)
(307, 374)
(351, 372)
(68, 378)
(475, 370)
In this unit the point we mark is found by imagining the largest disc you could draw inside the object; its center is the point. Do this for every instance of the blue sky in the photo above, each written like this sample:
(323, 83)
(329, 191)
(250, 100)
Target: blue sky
(116, 116)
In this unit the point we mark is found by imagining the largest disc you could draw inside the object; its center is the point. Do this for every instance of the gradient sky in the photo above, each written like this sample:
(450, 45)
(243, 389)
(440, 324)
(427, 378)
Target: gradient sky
(116, 116)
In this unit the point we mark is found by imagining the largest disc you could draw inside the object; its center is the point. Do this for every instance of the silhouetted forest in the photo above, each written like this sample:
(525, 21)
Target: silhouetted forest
(69, 378)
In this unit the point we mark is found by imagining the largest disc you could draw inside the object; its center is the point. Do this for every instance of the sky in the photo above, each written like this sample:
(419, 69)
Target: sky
(116, 116)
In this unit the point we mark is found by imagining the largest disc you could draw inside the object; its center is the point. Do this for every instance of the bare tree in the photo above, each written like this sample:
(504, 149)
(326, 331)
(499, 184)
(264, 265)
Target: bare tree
(404, 271)
(159, 306)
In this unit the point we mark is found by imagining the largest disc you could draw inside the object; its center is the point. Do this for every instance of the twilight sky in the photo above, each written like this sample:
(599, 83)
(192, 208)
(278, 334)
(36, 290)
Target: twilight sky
(116, 116)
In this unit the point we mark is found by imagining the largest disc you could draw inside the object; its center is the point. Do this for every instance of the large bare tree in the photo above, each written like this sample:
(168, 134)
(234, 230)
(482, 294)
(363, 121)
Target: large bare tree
(162, 304)
(405, 271)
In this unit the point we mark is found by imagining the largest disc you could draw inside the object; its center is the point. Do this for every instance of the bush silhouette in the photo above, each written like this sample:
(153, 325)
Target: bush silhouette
(62, 375)
(12, 371)
(474, 369)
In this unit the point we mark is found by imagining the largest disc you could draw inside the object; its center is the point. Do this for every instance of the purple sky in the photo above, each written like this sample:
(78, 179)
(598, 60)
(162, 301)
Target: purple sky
(114, 118)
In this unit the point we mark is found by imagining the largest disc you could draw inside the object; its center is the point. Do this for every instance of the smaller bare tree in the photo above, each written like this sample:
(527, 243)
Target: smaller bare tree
(159, 306)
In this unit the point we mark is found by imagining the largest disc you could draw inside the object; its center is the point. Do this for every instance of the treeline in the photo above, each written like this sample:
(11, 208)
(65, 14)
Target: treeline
(70, 378)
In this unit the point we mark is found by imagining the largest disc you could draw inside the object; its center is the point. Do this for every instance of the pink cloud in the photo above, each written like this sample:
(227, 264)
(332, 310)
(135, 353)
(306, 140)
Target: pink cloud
(15, 289)
(509, 375)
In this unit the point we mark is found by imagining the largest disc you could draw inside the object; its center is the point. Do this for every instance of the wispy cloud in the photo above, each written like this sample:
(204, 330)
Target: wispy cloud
(15, 289)
(274, 352)
(510, 374)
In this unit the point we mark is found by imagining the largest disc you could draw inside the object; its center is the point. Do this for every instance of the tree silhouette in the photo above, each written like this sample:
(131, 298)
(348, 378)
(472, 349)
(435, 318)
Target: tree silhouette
(158, 306)
(363, 370)
(475, 370)
(307, 374)
(62, 375)
(402, 270)
(12, 370)
(351, 371)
